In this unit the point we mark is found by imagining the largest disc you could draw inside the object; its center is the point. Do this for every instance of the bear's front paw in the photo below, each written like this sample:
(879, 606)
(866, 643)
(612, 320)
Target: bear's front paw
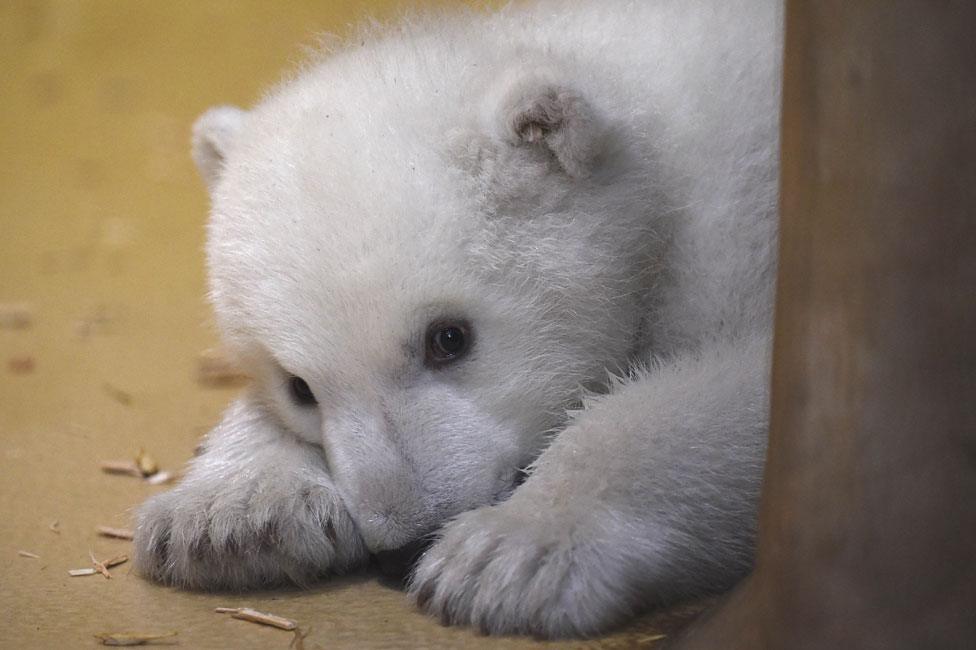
(515, 568)
(229, 536)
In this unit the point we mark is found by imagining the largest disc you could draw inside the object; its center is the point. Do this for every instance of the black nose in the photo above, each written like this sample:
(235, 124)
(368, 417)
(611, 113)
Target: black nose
(398, 562)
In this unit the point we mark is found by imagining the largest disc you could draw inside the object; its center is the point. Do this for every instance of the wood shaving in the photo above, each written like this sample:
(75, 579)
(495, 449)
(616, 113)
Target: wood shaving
(22, 364)
(216, 370)
(81, 572)
(15, 316)
(142, 466)
(159, 478)
(132, 638)
(117, 560)
(298, 641)
(653, 638)
(119, 395)
(55, 527)
(99, 321)
(33, 556)
(147, 464)
(127, 467)
(254, 616)
(103, 567)
(117, 533)
(99, 566)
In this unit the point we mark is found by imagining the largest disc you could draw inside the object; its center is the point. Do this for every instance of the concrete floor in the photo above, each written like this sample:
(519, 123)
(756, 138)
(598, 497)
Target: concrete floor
(101, 234)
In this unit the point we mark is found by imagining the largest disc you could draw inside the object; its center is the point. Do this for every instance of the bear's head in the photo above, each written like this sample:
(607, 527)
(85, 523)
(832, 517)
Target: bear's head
(424, 270)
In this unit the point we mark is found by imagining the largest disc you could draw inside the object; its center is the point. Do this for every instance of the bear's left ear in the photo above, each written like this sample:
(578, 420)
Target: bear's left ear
(534, 109)
(214, 135)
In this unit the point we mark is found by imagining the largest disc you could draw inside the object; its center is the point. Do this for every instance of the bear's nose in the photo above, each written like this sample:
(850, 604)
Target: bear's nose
(397, 563)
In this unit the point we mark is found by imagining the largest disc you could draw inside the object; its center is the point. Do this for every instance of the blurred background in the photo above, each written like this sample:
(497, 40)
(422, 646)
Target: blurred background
(103, 313)
(101, 210)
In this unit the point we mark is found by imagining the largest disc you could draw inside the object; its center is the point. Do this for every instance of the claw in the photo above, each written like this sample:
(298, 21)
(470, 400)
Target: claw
(424, 594)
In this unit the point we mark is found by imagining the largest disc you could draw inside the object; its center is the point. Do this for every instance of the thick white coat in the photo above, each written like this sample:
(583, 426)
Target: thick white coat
(591, 187)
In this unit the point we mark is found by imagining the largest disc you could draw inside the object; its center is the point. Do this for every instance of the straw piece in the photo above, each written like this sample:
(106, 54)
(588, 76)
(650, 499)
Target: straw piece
(128, 467)
(99, 566)
(147, 464)
(121, 396)
(81, 572)
(115, 561)
(15, 316)
(131, 638)
(103, 567)
(160, 478)
(21, 364)
(653, 638)
(117, 533)
(254, 616)
(298, 641)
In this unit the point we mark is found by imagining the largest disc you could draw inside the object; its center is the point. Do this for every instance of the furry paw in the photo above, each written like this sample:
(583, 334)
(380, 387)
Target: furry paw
(211, 535)
(514, 568)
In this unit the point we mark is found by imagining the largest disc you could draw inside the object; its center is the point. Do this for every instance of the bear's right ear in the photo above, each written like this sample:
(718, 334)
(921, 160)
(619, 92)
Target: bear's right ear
(214, 135)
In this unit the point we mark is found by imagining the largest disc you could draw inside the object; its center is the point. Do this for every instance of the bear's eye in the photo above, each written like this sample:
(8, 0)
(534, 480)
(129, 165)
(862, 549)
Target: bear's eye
(300, 392)
(447, 341)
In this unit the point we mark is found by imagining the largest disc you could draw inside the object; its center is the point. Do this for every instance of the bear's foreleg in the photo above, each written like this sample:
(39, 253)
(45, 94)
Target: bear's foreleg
(649, 495)
(257, 507)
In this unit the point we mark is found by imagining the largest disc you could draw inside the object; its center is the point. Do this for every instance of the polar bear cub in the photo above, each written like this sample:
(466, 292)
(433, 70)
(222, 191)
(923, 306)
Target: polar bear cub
(504, 283)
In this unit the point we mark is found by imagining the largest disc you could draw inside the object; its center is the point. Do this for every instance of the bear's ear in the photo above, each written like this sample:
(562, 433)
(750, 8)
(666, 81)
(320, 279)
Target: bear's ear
(214, 134)
(534, 109)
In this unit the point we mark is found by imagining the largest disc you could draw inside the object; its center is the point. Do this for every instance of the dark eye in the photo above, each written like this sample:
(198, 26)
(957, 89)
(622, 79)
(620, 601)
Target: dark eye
(300, 392)
(447, 341)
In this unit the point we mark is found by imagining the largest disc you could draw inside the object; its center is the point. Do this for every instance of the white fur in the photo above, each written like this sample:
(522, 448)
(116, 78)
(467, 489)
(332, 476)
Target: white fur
(592, 187)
